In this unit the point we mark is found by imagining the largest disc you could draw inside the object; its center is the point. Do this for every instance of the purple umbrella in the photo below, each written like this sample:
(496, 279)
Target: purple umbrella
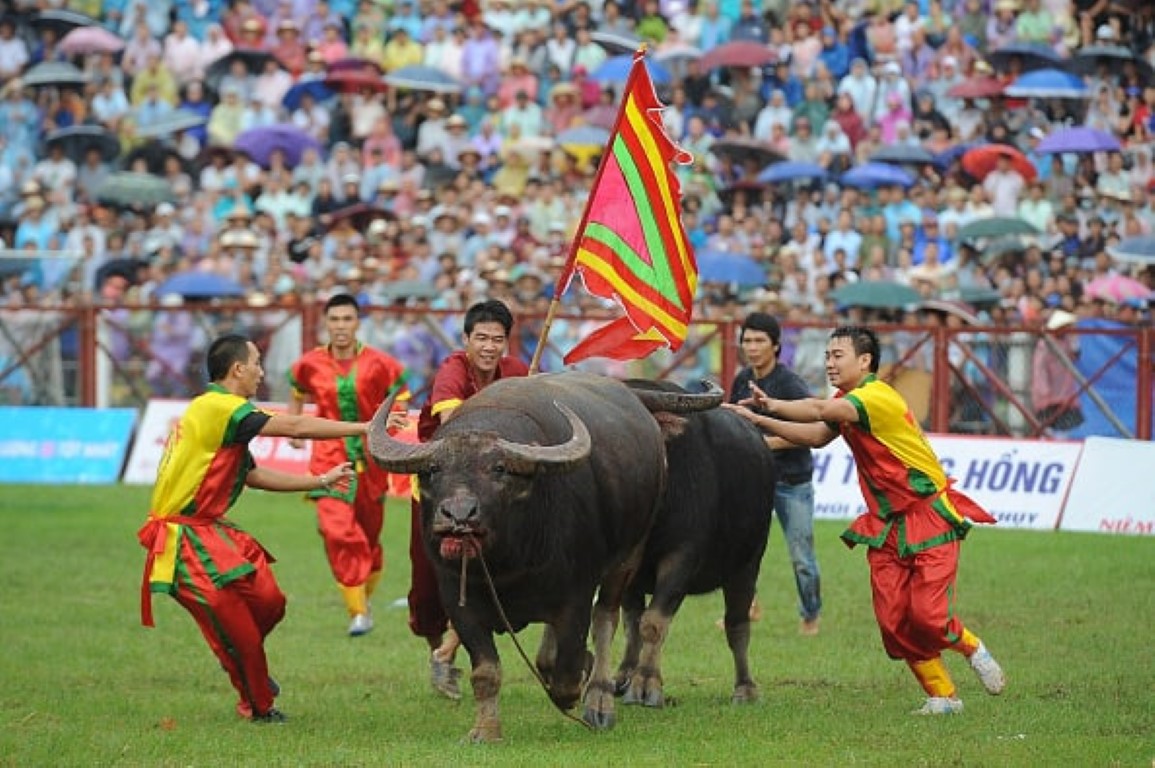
(1078, 140)
(871, 175)
(260, 143)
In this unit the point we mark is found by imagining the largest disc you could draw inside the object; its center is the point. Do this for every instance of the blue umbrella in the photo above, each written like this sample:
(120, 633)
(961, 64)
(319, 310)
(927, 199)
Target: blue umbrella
(418, 77)
(1079, 139)
(166, 125)
(201, 285)
(1048, 84)
(617, 69)
(949, 157)
(259, 143)
(1134, 250)
(1031, 57)
(791, 171)
(722, 267)
(871, 175)
(584, 135)
(315, 88)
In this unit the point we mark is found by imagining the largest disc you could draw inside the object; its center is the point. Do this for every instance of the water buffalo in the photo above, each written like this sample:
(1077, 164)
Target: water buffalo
(554, 481)
(710, 533)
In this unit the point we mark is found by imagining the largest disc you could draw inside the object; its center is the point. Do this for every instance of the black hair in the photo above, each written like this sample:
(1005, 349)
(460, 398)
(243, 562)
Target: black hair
(342, 300)
(223, 353)
(865, 342)
(761, 321)
(491, 311)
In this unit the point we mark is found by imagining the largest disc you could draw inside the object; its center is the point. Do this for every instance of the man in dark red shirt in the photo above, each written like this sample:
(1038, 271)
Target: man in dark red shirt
(463, 374)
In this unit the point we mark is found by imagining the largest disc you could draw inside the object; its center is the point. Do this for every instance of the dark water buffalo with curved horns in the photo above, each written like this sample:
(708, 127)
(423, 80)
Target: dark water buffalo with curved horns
(554, 480)
(710, 534)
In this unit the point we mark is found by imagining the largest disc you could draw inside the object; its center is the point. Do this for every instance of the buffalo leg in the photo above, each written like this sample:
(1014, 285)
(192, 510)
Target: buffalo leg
(645, 686)
(739, 594)
(547, 654)
(485, 680)
(632, 607)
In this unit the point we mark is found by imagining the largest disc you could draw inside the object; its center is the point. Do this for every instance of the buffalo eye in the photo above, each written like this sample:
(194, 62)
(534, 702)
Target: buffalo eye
(499, 469)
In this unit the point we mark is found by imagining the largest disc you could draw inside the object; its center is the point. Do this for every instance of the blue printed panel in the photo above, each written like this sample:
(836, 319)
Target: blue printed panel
(64, 445)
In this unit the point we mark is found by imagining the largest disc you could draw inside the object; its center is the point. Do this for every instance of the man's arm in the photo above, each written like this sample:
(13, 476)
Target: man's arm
(787, 434)
(337, 478)
(303, 426)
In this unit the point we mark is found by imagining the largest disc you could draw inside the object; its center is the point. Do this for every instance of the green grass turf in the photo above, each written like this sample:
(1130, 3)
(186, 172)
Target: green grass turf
(1071, 618)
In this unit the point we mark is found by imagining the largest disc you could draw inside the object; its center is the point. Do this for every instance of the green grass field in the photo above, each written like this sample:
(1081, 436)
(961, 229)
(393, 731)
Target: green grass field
(1071, 617)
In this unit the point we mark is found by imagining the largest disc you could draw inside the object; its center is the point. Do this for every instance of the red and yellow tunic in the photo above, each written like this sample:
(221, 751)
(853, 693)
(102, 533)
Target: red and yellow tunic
(454, 384)
(201, 473)
(901, 478)
(349, 390)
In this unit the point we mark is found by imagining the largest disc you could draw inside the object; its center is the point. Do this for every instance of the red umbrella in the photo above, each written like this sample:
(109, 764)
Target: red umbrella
(1116, 289)
(980, 161)
(354, 80)
(90, 40)
(743, 53)
(977, 88)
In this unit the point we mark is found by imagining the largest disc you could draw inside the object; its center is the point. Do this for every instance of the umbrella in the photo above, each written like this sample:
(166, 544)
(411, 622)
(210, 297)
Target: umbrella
(173, 122)
(1077, 140)
(995, 248)
(1114, 57)
(957, 308)
(201, 285)
(409, 289)
(76, 140)
(740, 149)
(62, 22)
(1048, 84)
(584, 142)
(1032, 57)
(360, 215)
(617, 69)
(82, 40)
(980, 161)
(871, 175)
(259, 143)
(740, 53)
(722, 267)
(354, 64)
(56, 73)
(791, 171)
(315, 88)
(675, 58)
(949, 157)
(615, 45)
(128, 189)
(977, 88)
(977, 296)
(1134, 250)
(903, 154)
(997, 226)
(876, 294)
(254, 60)
(355, 81)
(1116, 289)
(418, 77)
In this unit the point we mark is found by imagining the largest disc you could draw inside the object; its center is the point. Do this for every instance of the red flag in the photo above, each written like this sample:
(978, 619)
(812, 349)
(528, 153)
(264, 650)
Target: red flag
(631, 246)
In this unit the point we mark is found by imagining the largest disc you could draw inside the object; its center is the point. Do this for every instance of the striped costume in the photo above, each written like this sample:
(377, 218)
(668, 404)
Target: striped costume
(216, 571)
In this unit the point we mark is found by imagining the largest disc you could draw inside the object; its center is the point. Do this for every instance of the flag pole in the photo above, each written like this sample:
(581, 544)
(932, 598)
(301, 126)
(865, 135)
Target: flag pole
(566, 275)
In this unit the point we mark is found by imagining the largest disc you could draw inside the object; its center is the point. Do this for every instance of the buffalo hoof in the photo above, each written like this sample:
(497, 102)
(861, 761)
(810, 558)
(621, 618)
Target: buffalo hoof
(646, 691)
(622, 682)
(745, 694)
(599, 707)
(490, 734)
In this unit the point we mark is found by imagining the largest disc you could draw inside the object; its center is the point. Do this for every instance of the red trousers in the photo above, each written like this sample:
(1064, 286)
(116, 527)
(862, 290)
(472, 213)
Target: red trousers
(914, 599)
(235, 620)
(352, 534)
(427, 616)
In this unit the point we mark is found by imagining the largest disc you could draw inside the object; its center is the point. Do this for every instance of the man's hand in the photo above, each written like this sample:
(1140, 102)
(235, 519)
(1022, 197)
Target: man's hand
(397, 420)
(337, 478)
(758, 399)
(297, 442)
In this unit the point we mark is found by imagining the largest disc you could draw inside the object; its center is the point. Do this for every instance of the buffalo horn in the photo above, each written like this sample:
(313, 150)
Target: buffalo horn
(527, 459)
(680, 402)
(395, 455)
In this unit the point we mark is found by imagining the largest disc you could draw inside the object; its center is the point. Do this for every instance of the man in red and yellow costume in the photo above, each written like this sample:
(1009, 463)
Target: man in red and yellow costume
(347, 381)
(212, 568)
(915, 520)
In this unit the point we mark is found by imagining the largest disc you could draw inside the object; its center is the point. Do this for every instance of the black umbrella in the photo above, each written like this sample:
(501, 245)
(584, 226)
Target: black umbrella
(903, 154)
(54, 73)
(134, 190)
(1114, 57)
(1030, 56)
(741, 149)
(77, 140)
(253, 59)
(61, 21)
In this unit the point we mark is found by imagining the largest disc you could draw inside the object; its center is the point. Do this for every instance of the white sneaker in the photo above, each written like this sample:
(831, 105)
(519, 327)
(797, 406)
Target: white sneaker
(362, 624)
(989, 672)
(940, 705)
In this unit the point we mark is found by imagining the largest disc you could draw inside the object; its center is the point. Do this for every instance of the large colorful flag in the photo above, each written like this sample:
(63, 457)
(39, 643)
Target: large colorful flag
(631, 246)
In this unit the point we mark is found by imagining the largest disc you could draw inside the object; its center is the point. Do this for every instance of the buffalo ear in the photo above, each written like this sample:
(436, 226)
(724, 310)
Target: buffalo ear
(671, 425)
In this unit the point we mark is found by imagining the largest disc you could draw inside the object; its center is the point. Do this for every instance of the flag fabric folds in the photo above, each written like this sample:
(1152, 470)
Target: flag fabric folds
(631, 246)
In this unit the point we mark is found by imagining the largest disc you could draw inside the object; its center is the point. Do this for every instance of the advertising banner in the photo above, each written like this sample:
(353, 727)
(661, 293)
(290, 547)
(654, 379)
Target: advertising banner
(63, 445)
(1021, 482)
(1112, 493)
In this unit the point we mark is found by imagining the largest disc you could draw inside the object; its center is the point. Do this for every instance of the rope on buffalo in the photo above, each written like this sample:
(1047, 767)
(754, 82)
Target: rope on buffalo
(508, 627)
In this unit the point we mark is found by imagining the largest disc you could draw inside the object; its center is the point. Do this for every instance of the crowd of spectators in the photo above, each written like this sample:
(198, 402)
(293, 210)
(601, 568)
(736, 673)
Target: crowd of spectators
(441, 195)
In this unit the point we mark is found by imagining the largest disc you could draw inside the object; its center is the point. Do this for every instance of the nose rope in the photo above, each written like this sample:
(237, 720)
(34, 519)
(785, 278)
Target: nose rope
(464, 570)
(509, 629)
